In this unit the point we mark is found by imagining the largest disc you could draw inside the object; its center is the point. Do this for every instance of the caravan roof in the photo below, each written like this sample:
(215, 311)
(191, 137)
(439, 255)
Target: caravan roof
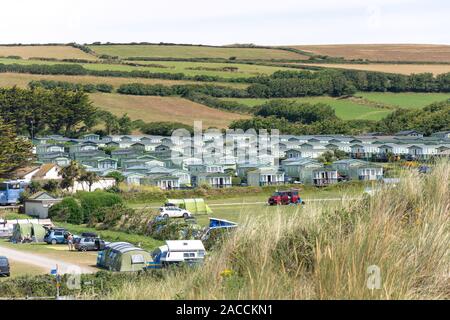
(184, 245)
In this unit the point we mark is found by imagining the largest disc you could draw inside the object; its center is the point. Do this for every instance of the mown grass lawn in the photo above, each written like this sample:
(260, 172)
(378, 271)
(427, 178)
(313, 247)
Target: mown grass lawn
(345, 109)
(409, 100)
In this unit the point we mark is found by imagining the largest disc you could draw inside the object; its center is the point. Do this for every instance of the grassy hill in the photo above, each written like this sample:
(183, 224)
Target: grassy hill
(186, 52)
(38, 51)
(345, 109)
(408, 100)
(150, 108)
(382, 52)
(389, 68)
(370, 106)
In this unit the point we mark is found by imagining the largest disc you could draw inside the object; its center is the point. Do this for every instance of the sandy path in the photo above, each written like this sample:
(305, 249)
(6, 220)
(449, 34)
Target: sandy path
(43, 262)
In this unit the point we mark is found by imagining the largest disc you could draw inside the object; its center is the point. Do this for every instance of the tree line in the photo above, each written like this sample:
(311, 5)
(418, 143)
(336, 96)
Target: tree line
(280, 84)
(88, 87)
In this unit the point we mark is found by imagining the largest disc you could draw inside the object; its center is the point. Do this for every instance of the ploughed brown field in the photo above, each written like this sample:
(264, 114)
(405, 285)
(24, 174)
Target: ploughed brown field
(151, 108)
(389, 68)
(22, 80)
(57, 52)
(383, 52)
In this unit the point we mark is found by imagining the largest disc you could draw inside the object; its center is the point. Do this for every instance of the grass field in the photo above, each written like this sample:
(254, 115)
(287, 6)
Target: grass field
(389, 68)
(345, 109)
(212, 69)
(173, 67)
(57, 52)
(178, 51)
(408, 100)
(151, 108)
(383, 52)
(239, 208)
(22, 80)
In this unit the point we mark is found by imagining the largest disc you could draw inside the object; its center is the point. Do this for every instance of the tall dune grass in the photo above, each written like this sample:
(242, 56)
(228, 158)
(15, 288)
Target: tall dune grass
(323, 251)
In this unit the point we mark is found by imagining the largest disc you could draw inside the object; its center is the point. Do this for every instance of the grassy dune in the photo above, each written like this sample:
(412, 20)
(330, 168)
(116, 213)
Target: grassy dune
(324, 251)
(383, 52)
(178, 51)
(345, 109)
(57, 52)
(150, 108)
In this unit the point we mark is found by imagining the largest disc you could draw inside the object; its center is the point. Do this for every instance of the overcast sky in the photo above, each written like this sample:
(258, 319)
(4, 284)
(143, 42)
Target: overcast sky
(271, 22)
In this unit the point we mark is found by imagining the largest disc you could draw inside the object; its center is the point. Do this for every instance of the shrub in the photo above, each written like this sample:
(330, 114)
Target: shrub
(92, 202)
(68, 210)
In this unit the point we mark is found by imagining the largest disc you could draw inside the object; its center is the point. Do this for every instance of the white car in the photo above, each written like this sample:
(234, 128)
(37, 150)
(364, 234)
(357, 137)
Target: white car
(174, 212)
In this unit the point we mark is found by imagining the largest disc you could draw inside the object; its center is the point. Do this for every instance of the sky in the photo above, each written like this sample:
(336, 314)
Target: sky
(262, 22)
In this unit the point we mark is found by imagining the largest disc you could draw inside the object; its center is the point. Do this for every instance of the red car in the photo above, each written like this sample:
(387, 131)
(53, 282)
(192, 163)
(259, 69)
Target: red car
(285, 197)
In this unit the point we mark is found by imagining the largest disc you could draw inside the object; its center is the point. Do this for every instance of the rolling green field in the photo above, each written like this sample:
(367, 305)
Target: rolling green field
(244, 70)
(212, 69)
(186, 52)
(410, 100)
(345, 109)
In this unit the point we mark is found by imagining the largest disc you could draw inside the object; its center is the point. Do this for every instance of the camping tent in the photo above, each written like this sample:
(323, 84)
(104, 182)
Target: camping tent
(195, 206)
(31, 230)
(123, 256)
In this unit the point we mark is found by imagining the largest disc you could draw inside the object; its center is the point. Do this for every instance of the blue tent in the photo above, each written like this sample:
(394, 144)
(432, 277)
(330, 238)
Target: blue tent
(215, 223)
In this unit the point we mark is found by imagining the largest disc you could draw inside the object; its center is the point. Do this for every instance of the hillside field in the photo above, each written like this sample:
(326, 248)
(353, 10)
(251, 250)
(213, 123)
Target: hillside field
(406, 69)
(345, 109)
(186, 52)
(244, 70)
(151, 108)
(408, 100)
(382, 52)
(56, 52)
(22, 80)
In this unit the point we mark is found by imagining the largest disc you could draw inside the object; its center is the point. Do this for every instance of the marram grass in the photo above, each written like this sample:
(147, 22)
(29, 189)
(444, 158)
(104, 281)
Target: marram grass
(324, 251)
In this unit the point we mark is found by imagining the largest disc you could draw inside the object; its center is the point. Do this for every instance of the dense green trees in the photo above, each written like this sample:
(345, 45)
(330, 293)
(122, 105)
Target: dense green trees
(37, 111)
(292, 111)
(164, 128)
(15, 152)
(114, 124)
(433, 118)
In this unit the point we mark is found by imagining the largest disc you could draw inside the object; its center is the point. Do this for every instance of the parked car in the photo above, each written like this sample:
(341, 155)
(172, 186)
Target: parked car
(285, 197)
(89, 244)
(174, 212)
(56, 236)
(4, 266)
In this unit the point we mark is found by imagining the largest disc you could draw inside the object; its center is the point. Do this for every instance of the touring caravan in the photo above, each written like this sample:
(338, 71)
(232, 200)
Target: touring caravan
(178, 251)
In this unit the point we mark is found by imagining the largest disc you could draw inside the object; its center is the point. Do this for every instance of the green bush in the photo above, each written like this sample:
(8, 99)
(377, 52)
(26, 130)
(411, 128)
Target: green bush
(68, 210)
(92, 202)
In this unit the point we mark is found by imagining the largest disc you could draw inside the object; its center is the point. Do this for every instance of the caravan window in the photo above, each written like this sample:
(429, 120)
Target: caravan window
(189, 255)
